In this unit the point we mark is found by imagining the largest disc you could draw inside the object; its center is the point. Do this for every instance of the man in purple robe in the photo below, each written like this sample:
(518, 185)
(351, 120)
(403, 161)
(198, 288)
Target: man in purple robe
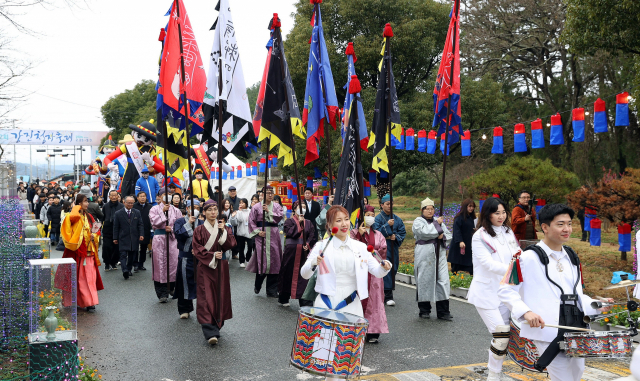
(298, 245)
(162, 225)
(266, 262)
(210, 241)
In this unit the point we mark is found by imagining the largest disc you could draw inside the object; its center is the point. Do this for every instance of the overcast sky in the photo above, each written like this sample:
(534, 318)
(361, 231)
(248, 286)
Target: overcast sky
(84, 56)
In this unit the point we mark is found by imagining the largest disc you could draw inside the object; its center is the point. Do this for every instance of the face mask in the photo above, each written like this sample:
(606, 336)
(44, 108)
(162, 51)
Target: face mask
(369, 220)
(196, 213)
(301, 213)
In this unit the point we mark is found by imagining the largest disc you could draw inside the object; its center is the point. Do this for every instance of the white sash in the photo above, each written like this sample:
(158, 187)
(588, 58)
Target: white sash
(136, 156)
(213, 230)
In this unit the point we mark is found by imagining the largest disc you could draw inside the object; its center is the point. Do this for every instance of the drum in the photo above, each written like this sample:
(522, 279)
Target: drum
(611, 344)
(521, 350)
(329, 343)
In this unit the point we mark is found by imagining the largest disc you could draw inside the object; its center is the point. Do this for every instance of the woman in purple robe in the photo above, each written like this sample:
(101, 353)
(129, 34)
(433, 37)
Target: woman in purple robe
(210, 241)
(266, 261)
(374, 305)
(298, 245)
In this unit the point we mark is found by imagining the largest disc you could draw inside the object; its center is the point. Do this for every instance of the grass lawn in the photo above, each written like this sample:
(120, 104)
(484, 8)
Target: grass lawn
(598, 263)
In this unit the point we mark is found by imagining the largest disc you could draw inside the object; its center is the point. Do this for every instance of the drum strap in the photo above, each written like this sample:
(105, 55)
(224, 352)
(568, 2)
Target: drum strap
(551, 352)
(348, 300)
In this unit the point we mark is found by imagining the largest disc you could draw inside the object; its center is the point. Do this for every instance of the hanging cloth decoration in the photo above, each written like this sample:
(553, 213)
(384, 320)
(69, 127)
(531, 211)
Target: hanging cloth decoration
(325, 196)
(224, 175)
(367, 189)
(498, 144)
(274, 161)
(589, 214)
(410, 140)
(239, 172)
(372, 177)
(519, 138)
(422, 141)
(289, 191)
(540, 204)
(231, 175)
(600, 117)
(401, 141)
(557, 135)
(263, 165)
(624, 237)
(310, 182)
(248, 170)
(294, 194)
(431, 142)
(442, 137)
(465, 143)
(594, 237)
(214, 173)
(316, 173)
(254, 169)
(537, 134)
(577, 122)
(622, 109)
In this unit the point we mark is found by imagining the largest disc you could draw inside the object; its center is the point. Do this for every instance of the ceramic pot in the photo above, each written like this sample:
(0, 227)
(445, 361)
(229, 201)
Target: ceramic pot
(51, 323)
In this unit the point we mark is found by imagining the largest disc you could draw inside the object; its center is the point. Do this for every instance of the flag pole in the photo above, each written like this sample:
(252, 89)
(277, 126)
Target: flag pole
(186, 114)
(448, 125)
(264, 193)
(387, 57)
(328, 129)
(220, 111)
(359, 172)
(293, 142)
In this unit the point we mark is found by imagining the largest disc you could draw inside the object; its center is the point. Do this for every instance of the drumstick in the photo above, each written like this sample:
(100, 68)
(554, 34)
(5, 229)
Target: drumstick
(565, 327)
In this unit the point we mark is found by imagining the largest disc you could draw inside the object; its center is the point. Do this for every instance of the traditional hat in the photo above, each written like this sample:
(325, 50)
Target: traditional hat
(126, 139)
(109, 143)
(198, 171)
(195, 202)
(385, 198)
(369, 208)
(426, 202)
(172, 181)
(208, 204)
(145, 128)
(161, 191)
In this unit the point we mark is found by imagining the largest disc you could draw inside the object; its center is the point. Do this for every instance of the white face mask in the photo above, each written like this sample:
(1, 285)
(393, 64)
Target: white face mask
(301, 213)
(369, 220)
(196, 213)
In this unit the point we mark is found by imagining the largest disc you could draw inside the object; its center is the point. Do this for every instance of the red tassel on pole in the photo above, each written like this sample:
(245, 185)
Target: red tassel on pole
(275, 22)
(351, 52)
(388, 32)
(354, 85)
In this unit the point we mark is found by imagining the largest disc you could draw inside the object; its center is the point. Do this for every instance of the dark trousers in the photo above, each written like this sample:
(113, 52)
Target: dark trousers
(388, 295)
(272, 283)
(211, 330)
(161, 289)
(142, 253)
(127, 259)
(54, 235)
(46, 229)
(185, 306)
(110, 252)
(442, 308)
(251, 248)
(241, 243)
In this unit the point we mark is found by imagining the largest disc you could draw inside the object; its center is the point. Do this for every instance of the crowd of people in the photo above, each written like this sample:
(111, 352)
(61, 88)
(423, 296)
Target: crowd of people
(191, 242)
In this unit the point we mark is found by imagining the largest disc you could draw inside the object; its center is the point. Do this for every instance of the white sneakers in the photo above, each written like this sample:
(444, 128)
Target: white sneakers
(285, 305)
(242, 265)
(213, 341)
(184, 315)
(391, 302)
(493, 376)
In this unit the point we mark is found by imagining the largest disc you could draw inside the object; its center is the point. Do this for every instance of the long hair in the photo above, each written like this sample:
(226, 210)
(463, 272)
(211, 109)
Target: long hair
(463, 209)
(80, 199)
(489, 207)
(332, 213)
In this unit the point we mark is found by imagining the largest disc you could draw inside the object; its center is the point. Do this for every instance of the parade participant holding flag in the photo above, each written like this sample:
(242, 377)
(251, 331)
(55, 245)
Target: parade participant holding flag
(266, 261)
(493, 246)
(373, 306)
(347, 263)
(162, 225)
(300, 238)
(431, 269)
(392, 228)
(210, 241)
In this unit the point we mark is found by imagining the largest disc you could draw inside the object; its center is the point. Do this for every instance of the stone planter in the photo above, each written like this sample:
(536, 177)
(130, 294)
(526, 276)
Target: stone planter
(460, 292)
(598, 327)
(404, 278)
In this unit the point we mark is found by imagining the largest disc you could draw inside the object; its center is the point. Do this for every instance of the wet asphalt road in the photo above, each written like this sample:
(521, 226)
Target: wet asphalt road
(131, 336)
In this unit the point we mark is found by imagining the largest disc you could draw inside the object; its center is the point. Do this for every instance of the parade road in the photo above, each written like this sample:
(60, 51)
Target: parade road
(131, 336)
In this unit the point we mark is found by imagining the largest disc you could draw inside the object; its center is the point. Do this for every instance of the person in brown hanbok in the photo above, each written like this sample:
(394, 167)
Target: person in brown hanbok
(213, 290)
(291, 283)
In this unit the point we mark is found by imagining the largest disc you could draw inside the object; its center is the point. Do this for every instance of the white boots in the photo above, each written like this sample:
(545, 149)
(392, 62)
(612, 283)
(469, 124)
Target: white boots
(493, 376)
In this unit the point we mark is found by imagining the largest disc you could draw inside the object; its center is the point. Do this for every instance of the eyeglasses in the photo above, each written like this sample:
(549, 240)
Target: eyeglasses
(525, 198)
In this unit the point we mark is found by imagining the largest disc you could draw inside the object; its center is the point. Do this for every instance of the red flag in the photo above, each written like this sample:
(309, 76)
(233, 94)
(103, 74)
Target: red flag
(447, 86)
(171, 86)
